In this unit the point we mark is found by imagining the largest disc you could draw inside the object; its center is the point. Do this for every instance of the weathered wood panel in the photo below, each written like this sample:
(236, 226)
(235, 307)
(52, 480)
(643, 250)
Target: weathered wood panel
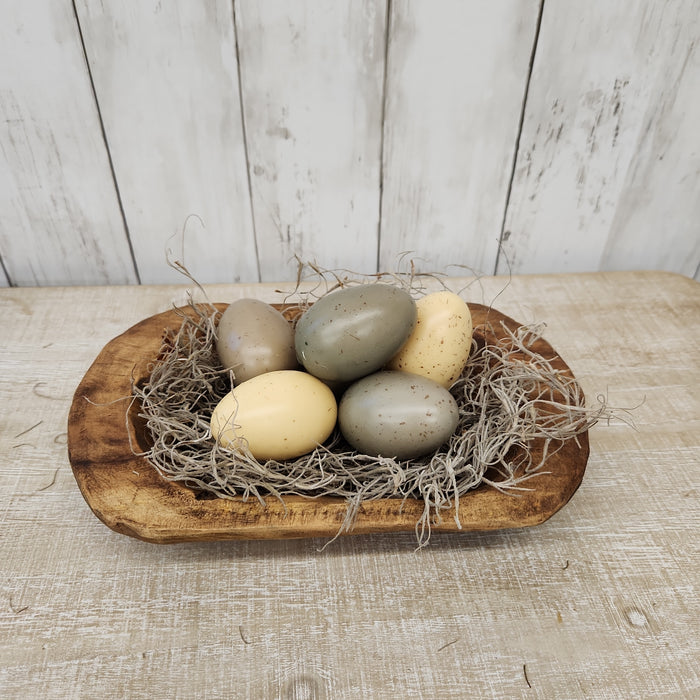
(312, 77)
(660, 200)
(167, 84)
(455, 83)
(59, 213)
(607, 171)
(606, 176)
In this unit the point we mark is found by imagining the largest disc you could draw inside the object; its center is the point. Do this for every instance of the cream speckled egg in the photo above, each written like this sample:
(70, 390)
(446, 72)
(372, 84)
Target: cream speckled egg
(278, 415)
(439, 346)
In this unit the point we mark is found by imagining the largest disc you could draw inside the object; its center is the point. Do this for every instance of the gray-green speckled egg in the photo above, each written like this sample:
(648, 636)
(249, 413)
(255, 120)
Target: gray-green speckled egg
(353, 332)
(397, 414)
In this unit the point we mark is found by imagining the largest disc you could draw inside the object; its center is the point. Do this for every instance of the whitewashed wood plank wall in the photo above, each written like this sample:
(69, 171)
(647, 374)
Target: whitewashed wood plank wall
(534, 136)
(609, 157)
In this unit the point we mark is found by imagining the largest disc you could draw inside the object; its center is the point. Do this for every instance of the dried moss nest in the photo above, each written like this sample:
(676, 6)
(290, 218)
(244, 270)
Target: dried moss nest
(507, 396)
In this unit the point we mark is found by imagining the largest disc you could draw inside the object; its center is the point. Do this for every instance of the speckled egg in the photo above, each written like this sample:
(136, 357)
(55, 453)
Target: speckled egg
(396, 414)
(439, 346)
(277, 415)
(353, 332)
(252, 338)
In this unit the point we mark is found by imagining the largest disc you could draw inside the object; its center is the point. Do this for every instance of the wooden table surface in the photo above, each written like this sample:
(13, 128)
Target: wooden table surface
(601, 601)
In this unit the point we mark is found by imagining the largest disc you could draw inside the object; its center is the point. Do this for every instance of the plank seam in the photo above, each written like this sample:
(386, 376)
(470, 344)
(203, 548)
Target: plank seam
(516, 149)
(7, 274)
(387, 33)
(244, 131)
(106, 143)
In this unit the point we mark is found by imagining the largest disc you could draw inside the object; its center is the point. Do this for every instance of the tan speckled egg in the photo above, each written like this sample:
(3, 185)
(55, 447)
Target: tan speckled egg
(252, 338)
(277, 415)
(439, 346)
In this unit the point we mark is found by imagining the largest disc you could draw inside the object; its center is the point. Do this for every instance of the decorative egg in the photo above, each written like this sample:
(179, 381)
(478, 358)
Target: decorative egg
(439, 346)
(277, 415)
(252, 338)
(353, 332)
(396, 414)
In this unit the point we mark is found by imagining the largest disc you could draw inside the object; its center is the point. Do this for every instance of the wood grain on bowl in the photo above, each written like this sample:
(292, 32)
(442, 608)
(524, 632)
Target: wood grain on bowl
(128, 495)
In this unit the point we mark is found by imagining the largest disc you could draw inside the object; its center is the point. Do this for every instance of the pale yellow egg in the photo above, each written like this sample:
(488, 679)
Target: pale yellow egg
(277, 415)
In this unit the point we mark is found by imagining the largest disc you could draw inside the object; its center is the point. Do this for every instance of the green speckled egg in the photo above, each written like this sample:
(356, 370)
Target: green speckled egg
(353, 332)
(397, 414)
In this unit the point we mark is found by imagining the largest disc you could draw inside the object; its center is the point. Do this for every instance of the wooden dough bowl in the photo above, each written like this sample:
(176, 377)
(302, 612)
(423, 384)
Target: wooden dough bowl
(128, 495)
